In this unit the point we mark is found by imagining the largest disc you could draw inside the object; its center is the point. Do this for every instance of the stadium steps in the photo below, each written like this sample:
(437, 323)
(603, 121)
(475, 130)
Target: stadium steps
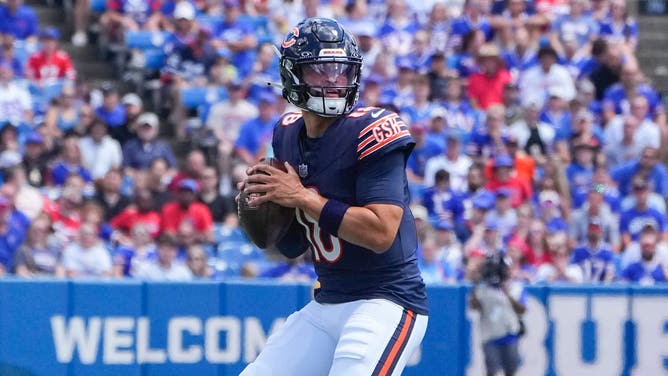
(652, 51)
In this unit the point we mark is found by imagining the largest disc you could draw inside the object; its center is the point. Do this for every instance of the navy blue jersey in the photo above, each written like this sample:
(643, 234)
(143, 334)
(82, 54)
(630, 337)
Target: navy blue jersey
(359, 160)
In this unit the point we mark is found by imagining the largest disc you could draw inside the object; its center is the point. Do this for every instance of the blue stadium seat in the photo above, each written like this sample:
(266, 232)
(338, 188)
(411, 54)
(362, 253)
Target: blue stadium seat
(212, 22)
(42, 96)
(98, 6)
(154, 58)
(144, 40)
(195, 97)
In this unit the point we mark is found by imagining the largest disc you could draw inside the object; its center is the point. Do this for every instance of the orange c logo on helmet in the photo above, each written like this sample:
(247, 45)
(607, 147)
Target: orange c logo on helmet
(291, 39)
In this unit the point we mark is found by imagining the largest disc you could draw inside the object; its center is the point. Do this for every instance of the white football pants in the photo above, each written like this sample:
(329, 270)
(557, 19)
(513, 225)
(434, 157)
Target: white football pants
(361, 338)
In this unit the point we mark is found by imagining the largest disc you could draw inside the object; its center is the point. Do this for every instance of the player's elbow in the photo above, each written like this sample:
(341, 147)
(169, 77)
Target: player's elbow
(382, 242)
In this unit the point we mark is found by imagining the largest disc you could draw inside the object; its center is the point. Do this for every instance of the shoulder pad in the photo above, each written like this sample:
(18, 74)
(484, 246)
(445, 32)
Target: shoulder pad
(381, 128)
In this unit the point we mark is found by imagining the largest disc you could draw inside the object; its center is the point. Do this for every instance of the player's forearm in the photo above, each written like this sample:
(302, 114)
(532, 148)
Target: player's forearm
(373, 227)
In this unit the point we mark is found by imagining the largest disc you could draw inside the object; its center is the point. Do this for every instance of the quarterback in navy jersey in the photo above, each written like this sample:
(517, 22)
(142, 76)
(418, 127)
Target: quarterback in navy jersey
(346, 180)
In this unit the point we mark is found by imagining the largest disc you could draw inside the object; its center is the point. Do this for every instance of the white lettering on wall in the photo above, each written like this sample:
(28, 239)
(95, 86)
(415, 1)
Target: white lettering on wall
(175, 332)
(231, 326)
(255, 338)
(650, 315)
(117, 340)
(75, 334)
(145, 354)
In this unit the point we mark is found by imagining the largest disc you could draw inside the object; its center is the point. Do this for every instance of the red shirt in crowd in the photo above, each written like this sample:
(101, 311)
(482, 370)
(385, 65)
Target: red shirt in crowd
(173, 214)
(520, 190)
(45, 69)
(487, 90)
(130, 216)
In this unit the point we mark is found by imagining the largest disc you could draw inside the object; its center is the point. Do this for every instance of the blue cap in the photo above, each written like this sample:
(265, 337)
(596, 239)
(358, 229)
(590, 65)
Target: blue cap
(491, 223)
(503, 160)
(189, 184)
(504, 192)
(556, 225)
(50, 33)
(35, 138)
(267, 97)
(405, 63)
(443, 224)
(483, 200)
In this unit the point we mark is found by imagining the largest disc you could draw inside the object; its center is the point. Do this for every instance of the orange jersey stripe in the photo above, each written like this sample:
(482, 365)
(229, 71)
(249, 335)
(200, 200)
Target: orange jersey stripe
(403, 337)
(381, 144)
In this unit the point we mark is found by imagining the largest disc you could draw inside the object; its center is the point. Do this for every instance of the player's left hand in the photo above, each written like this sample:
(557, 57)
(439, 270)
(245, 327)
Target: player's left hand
(282, 188)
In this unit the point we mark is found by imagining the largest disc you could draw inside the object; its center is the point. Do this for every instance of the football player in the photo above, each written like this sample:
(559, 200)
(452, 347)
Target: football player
(346, 180)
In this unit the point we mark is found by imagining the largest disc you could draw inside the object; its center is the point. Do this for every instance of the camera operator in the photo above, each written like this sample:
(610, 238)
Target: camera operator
(501, 302)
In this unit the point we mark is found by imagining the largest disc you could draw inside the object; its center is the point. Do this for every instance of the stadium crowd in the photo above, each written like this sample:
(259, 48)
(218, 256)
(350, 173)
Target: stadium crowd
(536, 134)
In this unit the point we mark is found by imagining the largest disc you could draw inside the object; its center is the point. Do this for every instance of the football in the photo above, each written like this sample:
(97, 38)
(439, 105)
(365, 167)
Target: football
(265, 224)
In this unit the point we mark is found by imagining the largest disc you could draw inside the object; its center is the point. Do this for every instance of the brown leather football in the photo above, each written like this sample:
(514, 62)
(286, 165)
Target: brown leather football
(265, 224)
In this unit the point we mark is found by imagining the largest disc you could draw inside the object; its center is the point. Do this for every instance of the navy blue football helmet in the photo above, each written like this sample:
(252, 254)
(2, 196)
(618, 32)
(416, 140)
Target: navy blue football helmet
(320, 67)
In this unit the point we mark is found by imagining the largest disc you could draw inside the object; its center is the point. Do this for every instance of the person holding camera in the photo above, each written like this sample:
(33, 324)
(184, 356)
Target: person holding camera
(501, 302)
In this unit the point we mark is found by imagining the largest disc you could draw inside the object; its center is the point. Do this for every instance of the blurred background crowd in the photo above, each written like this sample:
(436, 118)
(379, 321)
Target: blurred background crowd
(537, 132)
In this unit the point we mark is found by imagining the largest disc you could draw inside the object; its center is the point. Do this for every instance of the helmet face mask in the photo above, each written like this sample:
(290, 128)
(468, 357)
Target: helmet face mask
(320, 67)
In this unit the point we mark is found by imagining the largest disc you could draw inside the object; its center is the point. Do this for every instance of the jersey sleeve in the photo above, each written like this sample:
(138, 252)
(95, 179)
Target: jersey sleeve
(383, 132)
(380, 180)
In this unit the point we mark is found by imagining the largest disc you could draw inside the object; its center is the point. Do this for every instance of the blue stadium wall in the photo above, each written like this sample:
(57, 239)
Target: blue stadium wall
(96, 328)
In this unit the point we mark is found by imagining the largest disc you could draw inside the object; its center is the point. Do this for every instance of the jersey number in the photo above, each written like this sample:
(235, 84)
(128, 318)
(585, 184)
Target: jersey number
(324, 246)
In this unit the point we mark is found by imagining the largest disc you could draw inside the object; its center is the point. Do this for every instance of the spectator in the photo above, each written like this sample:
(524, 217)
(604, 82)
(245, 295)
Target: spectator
(504, 178)
(18, 20)
(369, 46)
(609, 61)
(396, 34)
(134, 107)
(111, 111)
(487, 139)
(135, 250)
(41, 252)
(580, 171)
(449, 248)
(473, 18)
(478, 205)
(424, 151)
(633, 252)
(35, 160)
(547, 76)
(485, 238)
(237, 35)
(559, 269)
(186, 208)
(619, 27)
(12, 234)
(66, 212)
(226, 118)
(485, 88)
(577, 25)
(157, 178)
(197, 263)
(87, 256)
(254, 141)
(458, 112)
(650, 166)
(595, 257)
(421, 109)
(100, 152)
(139, 152)
(650, 267)
(522, 55)
(165, 267)
(452, 161)
(109, 195)
(70, 162)
(50, 63)
(534, 135)
(439, 76)
(433, 268)
(8, 54)
(265, 69)
(64, 115)
(538, 243)
(143, 212)
(120, 16)
(209, 195)
(520, 269)
(503, 213)
(511, 102)
(617, 97)
(627, 148)
(15, 101)
(633, 220)
(465, 60)
(443, 203)
(194, 166)
(595, 208)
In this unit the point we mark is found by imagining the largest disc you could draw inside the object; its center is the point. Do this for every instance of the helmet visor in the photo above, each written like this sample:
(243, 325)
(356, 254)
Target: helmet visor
(330, 74)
